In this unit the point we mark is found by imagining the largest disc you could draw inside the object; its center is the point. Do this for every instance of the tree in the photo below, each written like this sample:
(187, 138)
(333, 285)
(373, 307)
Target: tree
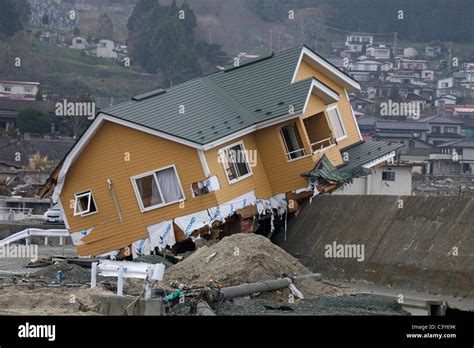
(77, 123)
(39, 95)
(394, 94)
(45, 19)
(105, 28)
(38, 163)
(13, 15)
(33, 121)
(76, 31)
(161, 39)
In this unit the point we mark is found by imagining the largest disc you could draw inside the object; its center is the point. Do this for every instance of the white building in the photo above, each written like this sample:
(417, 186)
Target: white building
(390, 179)
(19, 90)
(446, 83)
(356, 41)
(410, 52)
(110, 49)
(79, 43)
(378, 52)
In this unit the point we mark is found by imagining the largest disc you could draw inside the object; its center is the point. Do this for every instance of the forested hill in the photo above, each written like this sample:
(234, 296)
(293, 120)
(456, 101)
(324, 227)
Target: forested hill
(422, 20)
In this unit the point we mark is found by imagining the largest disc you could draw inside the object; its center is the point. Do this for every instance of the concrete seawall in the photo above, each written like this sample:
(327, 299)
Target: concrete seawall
(409, 242)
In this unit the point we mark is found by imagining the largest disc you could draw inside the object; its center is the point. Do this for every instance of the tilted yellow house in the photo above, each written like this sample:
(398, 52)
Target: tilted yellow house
(153, 170)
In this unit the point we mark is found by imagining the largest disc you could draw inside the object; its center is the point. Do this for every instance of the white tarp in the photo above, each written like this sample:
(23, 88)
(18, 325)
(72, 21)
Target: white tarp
(161, 235)
(77, 236)
(141, 247)
(192, 222)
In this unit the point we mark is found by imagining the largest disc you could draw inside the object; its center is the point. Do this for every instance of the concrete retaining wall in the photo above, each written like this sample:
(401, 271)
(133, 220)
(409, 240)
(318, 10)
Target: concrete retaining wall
(408, 241)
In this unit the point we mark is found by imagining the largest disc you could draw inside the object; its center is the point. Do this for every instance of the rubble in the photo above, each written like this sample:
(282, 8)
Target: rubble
(243, 258)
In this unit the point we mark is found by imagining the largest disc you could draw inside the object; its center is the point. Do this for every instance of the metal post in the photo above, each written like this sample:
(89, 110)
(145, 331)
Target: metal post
(61, 241)
(120, 281)
(148, 283)
(94, 275)
(45, 240)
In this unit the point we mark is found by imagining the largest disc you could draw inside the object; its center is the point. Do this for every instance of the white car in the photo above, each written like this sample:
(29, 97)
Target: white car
(53, 216)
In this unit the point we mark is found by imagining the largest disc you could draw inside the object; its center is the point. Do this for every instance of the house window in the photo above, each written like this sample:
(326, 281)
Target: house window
(388, 176)
(158, 188)
(436, 129)
(292, 140)
(84, 204)
(7, 89)
(28, 89)
(450, 130)
(235, 162)
(336, 123)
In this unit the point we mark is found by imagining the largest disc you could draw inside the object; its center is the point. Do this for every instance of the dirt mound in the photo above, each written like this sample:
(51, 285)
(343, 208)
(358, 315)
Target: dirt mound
(243, 258)
(71, 273)
(32, 300)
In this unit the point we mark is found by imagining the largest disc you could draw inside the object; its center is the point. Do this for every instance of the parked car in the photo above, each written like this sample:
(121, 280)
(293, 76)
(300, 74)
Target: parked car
(53, 216)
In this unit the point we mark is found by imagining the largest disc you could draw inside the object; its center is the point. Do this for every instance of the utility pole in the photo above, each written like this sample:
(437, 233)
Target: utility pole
(395, 42)
(450, 55)
(271, 41)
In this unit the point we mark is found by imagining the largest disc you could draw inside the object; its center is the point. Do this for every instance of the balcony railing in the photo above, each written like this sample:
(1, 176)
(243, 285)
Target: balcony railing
(321, 145)
(296, 154)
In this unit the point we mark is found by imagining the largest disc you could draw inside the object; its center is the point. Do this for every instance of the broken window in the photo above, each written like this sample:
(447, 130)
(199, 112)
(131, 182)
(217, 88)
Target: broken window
(336, 123)
(84, 204)
(292, 140)
(205, 186)
(388, 176)
(158, 188)
(235, 162)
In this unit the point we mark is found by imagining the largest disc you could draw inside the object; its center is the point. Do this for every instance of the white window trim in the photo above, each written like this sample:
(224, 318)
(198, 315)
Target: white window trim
(285, 146)
(340, 120)
(153, 172)
(223, 158)
(89, 193)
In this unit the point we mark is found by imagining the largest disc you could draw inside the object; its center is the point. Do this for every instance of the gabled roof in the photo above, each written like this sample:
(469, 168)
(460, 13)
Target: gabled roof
(465, 143)
(401, 125)
(206, 109)
(366, 152)
(440, 120)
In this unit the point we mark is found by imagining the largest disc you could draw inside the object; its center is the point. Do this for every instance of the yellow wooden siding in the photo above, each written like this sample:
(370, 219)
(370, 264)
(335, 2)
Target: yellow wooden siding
(283, 175)
(344, 105)
(257, 181)
(103, 158)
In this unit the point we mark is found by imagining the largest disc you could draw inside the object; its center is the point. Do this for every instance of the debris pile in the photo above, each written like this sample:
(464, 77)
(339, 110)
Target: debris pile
(243, 258)
(70, 273)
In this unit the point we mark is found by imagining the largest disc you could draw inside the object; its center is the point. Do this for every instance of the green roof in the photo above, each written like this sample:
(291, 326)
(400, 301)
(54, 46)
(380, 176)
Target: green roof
(358, 155)
(365, 152)
(223, 102)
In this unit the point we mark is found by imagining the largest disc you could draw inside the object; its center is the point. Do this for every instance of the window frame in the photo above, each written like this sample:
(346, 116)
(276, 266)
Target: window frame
(153, 172)
(285, 145)
(221, 153)
(341, 121)
(389, 172)
(83, 193)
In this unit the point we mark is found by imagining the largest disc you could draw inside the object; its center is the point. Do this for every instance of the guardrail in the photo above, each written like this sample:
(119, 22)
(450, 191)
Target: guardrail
(127, 269)
(15, 214)
(36, 232)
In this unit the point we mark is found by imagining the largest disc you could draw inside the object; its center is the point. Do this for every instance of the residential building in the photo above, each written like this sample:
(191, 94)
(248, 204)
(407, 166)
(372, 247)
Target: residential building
(110, 49)
(19, 90)
(79, 43)
(455, 157)
(410, 52)
(356, 42)
(378, 52)
(192, 155)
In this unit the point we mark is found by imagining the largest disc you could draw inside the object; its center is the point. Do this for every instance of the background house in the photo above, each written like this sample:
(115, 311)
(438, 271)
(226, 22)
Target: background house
(19, 90)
